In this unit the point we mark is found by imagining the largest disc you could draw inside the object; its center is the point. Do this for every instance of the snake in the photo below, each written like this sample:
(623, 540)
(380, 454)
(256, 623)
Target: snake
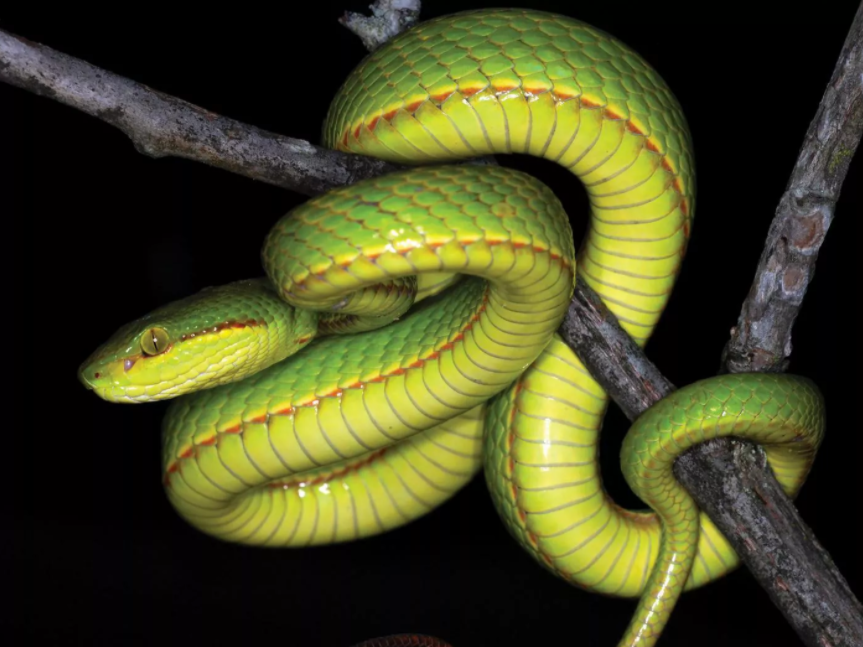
(404, 335)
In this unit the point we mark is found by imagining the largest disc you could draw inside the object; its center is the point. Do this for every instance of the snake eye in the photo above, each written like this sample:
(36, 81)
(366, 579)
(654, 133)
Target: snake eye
(154, 341)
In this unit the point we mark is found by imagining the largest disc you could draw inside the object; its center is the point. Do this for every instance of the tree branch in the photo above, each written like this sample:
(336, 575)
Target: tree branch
(761, 341)
(612, 357)
(733, 484)
(730, 479)
(389, 18)
(160, 125)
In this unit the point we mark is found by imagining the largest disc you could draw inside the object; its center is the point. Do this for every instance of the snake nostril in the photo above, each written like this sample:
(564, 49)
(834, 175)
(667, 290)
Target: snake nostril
(97, 375)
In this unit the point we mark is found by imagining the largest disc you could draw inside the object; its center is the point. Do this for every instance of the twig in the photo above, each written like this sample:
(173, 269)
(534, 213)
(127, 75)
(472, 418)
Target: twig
(731, 481)
(761, 341)
(390, 17)
(161, 125)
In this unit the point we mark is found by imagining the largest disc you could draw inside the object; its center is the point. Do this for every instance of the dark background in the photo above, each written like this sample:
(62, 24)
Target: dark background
(100, 556)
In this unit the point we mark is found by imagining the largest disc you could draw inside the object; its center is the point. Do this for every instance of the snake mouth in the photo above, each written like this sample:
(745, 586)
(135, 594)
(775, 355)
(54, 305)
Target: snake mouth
(85, 379)
(97, 381)
(99, 384)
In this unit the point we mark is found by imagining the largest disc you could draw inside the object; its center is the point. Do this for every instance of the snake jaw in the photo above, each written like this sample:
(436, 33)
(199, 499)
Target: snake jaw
(104, 371)
(118, 372)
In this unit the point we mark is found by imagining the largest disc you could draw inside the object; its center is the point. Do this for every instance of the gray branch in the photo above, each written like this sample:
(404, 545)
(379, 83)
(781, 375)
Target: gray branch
(389, 18)
(761, 340)
(732, 483)
(612, 357)
(160, 125)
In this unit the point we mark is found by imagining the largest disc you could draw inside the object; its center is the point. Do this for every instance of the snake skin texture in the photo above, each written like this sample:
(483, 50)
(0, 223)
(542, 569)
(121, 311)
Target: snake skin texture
(350, 393)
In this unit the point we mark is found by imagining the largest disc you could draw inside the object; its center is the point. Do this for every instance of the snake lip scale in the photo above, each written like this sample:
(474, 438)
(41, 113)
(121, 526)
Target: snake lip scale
(404, 338)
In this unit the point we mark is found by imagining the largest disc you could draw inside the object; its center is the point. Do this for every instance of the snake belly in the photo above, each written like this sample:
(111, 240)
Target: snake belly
(360, 433)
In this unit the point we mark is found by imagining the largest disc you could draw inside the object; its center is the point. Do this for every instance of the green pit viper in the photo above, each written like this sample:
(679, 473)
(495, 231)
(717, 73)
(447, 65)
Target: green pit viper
(405, 334)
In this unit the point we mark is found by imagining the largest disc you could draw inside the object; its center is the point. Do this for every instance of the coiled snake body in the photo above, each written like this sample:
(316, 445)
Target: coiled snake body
(322, 421)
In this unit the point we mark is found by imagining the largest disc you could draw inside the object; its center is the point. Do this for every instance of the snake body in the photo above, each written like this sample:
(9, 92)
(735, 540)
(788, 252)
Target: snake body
(376, 394)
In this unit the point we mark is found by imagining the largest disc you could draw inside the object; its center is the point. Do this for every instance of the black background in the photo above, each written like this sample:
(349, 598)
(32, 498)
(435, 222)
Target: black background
(110, 234)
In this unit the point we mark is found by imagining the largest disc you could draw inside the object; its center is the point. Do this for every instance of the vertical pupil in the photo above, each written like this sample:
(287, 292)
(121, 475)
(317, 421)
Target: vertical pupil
(155, 341)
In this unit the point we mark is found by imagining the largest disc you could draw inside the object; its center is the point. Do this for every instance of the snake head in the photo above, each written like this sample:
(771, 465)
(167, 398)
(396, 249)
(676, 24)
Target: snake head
(217, 336)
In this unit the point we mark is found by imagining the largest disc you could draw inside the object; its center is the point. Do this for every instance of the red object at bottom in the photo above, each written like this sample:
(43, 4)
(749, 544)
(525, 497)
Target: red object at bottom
(404, 640)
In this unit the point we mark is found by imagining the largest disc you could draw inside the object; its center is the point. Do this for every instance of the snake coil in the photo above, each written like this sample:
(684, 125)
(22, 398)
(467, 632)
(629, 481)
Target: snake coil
(405, 333)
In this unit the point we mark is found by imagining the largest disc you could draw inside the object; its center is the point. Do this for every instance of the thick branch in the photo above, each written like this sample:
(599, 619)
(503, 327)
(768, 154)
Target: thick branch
(761, 341)
(160, 125)
(731, 482)
(613, 358)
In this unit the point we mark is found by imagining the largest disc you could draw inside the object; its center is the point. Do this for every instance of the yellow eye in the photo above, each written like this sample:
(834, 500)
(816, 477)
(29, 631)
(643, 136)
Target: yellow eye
(154, 341)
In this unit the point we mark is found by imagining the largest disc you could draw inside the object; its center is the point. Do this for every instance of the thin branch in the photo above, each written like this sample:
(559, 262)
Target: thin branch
(761, 341)
(390, 17)
(161, 125)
